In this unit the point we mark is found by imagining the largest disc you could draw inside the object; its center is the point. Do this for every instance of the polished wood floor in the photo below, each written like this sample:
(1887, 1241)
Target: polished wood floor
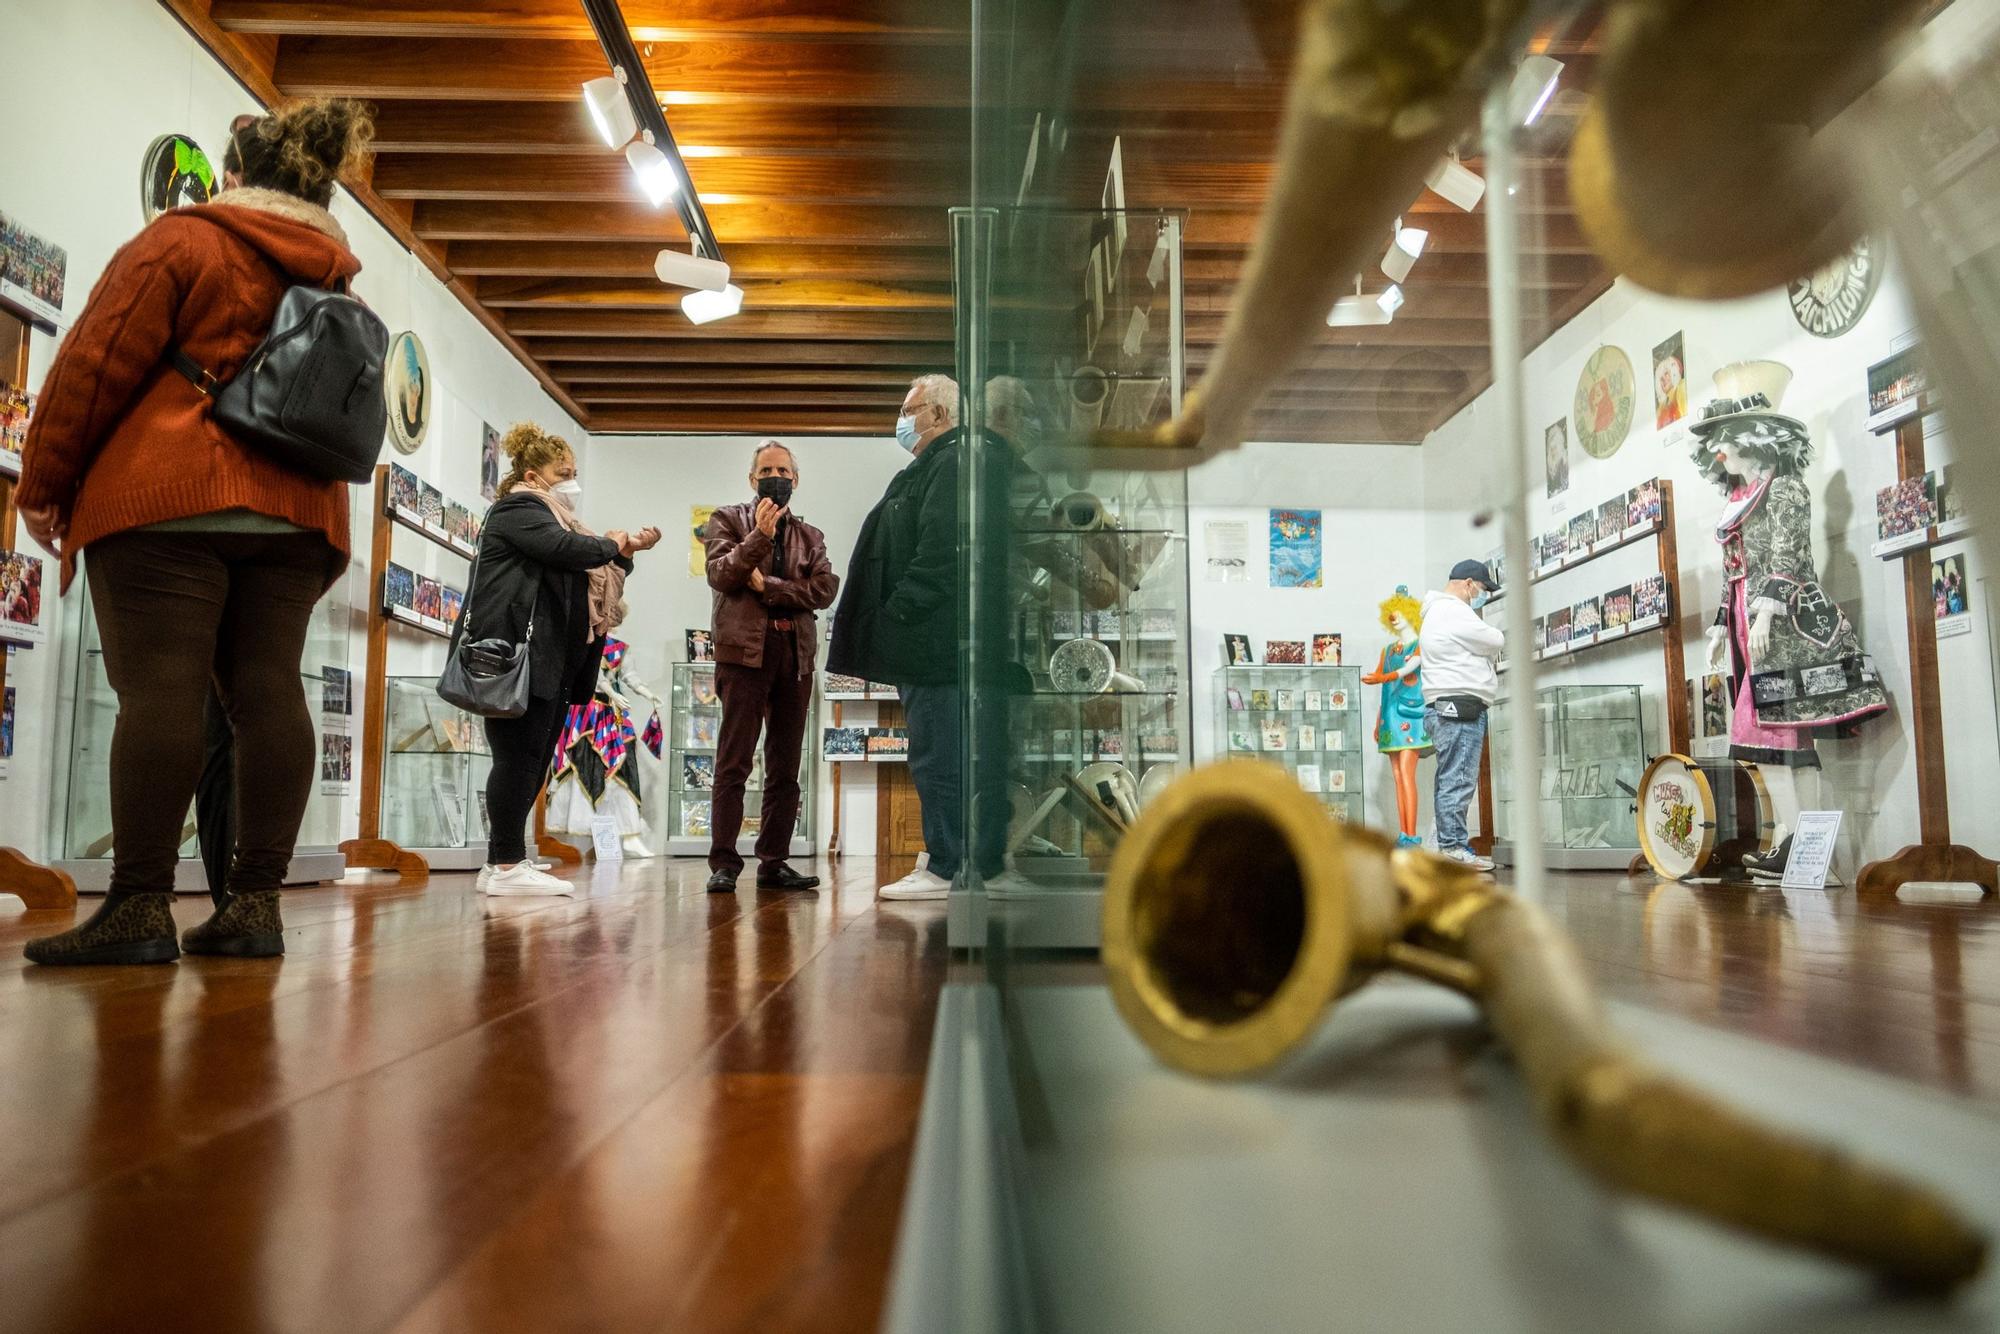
(651, 1109)
(646, 1108)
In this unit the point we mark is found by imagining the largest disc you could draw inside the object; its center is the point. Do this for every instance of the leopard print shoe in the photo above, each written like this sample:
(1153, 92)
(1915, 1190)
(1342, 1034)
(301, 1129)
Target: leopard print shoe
(246, 927)
(128, 928)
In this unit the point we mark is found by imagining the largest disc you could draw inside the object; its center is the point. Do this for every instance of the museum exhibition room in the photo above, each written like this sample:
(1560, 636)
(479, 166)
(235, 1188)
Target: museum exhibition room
(1001, 666)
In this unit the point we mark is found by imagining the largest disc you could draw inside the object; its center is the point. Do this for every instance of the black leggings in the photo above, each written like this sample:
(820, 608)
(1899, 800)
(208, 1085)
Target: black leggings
(524, 749)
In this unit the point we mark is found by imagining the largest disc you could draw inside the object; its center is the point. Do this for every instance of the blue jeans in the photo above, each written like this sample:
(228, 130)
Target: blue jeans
(938, 760)
(1458, 749)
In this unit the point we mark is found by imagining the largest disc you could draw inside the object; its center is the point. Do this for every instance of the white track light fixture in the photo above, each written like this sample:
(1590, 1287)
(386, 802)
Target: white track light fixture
(1456, 183)
(1534, 85)
(610, 109)
(1357, 310)
(1403, 251)
(706, 307)
(655, 173)
(684, 270)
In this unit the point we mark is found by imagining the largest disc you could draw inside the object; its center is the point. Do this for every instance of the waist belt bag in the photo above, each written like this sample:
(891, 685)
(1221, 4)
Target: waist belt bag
(1460, 708)
(310, 396)
(487, 677)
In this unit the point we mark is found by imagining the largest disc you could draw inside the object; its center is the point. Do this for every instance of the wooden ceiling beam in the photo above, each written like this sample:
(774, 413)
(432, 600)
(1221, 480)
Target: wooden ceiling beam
(896, 22)
(781, 294)
(603, 177)
(587, 376)
(670, 326)
(747, 421)
(884, 399)
(565, 353)
(613, 259)
(760, 129)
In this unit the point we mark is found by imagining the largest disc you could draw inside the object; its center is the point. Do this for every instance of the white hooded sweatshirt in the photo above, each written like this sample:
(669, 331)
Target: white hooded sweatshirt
(1459, 650)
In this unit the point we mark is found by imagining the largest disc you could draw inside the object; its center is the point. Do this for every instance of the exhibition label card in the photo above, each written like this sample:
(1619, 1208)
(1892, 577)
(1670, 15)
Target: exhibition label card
(604, 838)
(1812, 850)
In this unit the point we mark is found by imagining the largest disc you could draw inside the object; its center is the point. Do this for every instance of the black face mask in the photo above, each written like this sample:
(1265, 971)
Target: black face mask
(777, 490)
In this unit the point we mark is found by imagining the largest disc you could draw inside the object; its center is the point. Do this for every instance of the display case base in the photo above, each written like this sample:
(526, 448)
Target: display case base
(379, 854)
(1323, 1195)
(1058, 919)
(36, 885)
(310, 866)
(1570, 859)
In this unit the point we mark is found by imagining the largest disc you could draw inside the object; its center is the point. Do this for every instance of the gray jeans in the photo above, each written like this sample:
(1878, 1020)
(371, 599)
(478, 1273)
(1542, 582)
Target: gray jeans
(1458, 749)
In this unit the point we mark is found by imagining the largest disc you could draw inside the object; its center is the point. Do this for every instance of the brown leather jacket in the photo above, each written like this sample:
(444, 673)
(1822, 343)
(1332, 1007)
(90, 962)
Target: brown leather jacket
(805, 583)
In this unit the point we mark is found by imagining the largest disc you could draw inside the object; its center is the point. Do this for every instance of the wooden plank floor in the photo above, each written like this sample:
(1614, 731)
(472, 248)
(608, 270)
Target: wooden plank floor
(651, 1109)
(646, 1108)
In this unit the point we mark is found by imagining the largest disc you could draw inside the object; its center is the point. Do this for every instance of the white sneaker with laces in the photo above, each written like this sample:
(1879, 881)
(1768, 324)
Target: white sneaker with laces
(918, 884)
(1467, 857)
(1011, 884)
(522, 880)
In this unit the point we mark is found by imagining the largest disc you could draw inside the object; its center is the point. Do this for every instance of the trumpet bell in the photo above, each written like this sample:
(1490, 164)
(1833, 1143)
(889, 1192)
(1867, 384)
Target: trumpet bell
(1227, 919)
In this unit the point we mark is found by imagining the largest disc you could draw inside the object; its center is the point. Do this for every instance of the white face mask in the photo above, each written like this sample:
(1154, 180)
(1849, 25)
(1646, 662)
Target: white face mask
(569, 489)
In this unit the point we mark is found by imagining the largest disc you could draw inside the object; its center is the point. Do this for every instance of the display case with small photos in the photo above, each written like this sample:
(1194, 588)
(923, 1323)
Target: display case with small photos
(1307, 719)
(694, 730)
(1593, 748)
(434, 764)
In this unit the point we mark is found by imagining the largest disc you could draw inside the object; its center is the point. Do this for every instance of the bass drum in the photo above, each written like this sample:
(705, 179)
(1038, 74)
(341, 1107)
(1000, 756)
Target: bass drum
(1701, 817)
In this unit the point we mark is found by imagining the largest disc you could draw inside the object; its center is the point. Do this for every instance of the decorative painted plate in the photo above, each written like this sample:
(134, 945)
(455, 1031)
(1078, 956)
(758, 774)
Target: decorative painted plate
(406, 383)
(173, 173)
(1605, 392)
(1831, 300)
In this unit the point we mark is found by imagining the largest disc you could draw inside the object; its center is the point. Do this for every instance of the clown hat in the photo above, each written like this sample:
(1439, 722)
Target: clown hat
(1749, 392)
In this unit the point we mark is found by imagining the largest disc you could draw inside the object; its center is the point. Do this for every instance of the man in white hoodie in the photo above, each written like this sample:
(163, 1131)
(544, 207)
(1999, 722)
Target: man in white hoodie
(1460, 681)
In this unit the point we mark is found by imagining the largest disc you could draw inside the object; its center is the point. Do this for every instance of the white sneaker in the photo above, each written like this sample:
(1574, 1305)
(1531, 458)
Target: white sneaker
(918, 884)
(485, 876)
(522, 880)
(1467, 857)
(1011, 885)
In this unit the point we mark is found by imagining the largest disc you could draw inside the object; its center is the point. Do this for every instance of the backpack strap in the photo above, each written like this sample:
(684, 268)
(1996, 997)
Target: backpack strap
(203, 378)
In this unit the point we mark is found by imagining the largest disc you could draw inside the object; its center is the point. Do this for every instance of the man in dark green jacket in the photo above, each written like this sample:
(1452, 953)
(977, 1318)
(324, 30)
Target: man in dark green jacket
(903, 619)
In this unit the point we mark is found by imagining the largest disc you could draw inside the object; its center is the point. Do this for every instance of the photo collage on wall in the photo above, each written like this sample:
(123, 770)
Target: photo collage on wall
(417, 504)
(22, 619)
(32, 275)
(16, 407)
(1951, 595)
(6, 729)
(419, 600)
(1636, 513)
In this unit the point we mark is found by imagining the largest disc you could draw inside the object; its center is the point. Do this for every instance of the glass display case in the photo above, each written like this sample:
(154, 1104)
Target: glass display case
(86, 841)
(434, 767)
(1593, 744)
(694, 722)
(1307, 720)
(1078, 642)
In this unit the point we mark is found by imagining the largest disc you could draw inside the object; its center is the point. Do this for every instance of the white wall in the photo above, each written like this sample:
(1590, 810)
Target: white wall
(631, 481)
(1872, 776)
(115, 74)
(1373, 537)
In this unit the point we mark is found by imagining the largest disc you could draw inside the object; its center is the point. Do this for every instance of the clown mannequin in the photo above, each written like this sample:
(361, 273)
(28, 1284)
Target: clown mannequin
(1399, 730)
(1794, 662)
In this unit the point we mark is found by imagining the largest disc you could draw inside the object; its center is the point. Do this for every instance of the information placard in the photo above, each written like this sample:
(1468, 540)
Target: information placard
(1812, 850)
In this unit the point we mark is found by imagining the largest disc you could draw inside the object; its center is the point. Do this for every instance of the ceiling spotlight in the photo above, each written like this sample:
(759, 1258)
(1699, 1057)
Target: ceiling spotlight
(610, 110)
(1456, 183)
(1403, 251)
(655, 173)
(1351, 311)
(1391, 299)
(683, 270)
(1534, 85)
(704, 307)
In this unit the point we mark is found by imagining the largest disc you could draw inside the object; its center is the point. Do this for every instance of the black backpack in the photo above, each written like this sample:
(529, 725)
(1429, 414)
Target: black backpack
(310, 396)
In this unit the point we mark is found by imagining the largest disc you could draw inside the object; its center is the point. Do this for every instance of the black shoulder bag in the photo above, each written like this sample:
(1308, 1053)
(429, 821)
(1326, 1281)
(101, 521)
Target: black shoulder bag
(310, 396)
(488, 677)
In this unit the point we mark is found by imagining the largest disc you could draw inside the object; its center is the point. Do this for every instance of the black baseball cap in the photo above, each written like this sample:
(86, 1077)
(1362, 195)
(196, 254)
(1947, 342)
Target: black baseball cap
(1472, 569)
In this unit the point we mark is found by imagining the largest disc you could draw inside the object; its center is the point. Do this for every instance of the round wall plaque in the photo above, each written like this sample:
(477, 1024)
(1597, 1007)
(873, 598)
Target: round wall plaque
(1831, 300)
(406, 381)
(1602, 412)
(174, 172)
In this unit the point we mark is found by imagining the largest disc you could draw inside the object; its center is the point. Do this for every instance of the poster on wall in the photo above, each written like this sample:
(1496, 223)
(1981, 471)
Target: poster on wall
(1670, 391)
(1228, 546)
(1555, 456)
(336, 763)
(698, 516)
(489, 461)
(1952, 597)
(21, 620)
(1295, 549)
(16, 407)
(1605, 397)
(6, 730)
(32, 272)
(336, 697)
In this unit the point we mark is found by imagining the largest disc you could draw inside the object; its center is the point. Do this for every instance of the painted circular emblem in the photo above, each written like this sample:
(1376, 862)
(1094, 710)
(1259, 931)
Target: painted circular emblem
(406, 382)
(1832, 299)
(1676, 817)
(1602, 412)
(173, 173)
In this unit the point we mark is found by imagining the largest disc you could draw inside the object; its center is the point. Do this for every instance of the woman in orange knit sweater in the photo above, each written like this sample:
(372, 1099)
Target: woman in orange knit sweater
(205, 556)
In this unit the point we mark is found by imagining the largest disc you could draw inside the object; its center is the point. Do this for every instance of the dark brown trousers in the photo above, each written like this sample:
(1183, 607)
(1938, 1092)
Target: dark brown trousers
(180, 614)
(774, 699)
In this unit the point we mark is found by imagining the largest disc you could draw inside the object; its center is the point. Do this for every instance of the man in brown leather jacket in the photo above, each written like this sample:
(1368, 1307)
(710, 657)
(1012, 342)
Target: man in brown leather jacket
(770, 574)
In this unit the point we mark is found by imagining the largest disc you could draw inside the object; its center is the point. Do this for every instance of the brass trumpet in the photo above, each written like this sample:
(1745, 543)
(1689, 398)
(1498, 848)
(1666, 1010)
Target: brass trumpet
(1237, 911)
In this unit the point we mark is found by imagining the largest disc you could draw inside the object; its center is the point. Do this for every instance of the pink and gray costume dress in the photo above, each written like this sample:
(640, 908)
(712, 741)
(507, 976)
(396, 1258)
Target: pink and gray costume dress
(1814, 674)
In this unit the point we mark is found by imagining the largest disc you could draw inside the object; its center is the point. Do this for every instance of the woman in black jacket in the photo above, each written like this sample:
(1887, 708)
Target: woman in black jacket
(539, 566)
